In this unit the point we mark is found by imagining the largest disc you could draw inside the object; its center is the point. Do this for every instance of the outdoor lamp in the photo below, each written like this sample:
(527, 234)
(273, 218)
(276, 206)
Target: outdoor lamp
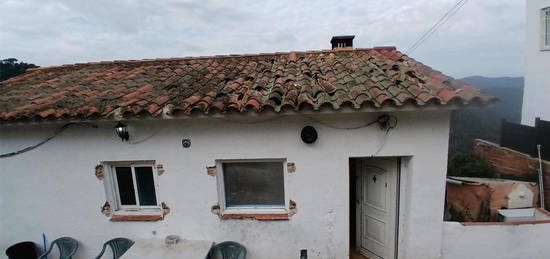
(122, 131)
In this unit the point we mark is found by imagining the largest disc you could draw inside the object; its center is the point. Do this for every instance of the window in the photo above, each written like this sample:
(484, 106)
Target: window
(132, 185)
(545, 18)
(252, 185)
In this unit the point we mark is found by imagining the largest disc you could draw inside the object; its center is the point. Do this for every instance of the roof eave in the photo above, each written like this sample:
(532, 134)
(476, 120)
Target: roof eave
(408, 107)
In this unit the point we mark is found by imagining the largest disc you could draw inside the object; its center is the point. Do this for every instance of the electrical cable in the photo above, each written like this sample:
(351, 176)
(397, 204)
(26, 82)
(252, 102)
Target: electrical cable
(436, 26)
(433, 27)
(440, 24)
(344, 128)
(251, 122)
(386, 136)
(57, 132)
(385, 122)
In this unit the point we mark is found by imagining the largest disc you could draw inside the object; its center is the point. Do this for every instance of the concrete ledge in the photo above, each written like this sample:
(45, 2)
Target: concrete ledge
(136, 218)
(530, 222)
(272, 216)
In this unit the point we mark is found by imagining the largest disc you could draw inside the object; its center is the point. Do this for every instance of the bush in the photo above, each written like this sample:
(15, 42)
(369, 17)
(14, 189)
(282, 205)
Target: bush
(468, 165)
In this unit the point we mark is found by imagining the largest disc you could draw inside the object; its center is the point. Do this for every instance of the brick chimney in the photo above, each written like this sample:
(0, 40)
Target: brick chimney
(344, 41)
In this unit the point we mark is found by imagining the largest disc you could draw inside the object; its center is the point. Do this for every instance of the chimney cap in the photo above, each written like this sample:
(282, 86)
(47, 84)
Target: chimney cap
(342, 37)
(343, 41)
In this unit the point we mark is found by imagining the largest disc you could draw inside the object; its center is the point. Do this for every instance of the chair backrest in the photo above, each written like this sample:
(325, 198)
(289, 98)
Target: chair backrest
(67, 247)
(228, 250)
(118, 246)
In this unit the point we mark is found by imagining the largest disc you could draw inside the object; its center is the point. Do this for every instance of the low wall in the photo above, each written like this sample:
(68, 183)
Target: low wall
(495, 241)
(504, 160)
(479, 201)
(510, 162)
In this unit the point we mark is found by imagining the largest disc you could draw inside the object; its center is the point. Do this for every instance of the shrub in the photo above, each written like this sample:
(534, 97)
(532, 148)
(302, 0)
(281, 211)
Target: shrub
(468, 165)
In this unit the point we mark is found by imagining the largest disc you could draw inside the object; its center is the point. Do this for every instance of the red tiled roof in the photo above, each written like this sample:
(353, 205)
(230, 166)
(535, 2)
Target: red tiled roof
(356, 78)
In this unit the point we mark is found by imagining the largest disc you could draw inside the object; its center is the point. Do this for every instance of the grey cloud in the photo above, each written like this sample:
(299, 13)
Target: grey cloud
(485, 37)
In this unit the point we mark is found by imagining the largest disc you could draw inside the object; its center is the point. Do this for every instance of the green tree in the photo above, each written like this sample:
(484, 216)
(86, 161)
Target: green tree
(10, 68)
(470, 166)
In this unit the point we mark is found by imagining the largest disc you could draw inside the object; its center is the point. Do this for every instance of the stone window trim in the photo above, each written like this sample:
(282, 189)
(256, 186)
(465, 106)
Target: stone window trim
(121, 213)
(257, 213)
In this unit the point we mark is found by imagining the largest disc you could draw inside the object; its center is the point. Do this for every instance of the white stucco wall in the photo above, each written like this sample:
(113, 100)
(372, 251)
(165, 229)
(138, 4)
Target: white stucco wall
(53, 189)
(536, 92)
(496, 241)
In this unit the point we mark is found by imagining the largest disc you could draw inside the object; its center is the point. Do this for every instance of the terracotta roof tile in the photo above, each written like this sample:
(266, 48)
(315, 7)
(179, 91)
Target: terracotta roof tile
(356, 78)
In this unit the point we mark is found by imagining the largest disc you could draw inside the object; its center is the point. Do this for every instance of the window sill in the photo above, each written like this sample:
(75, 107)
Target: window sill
(140, 215)
(136, 217)
(256, 216)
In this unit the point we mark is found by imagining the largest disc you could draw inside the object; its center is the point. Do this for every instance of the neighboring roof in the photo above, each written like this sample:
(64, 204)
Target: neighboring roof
(357, 78)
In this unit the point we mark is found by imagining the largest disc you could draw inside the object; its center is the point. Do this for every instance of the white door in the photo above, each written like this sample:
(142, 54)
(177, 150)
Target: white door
(377, 205)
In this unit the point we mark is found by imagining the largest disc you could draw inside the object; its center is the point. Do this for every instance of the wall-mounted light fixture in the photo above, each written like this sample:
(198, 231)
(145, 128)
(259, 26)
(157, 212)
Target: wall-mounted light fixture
(122, 131)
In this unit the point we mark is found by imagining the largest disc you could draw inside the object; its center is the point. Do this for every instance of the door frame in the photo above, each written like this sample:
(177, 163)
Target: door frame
(358, 197)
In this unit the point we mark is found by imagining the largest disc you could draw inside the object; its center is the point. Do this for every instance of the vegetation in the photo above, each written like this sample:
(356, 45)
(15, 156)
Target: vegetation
(11, 67)
(468, 165)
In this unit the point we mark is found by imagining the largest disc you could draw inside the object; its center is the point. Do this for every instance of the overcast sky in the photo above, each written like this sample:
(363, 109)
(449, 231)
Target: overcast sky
(484, 38)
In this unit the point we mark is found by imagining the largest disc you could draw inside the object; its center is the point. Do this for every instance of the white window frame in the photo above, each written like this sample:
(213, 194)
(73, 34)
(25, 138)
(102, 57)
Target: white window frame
(113, 194)
(544, 46)
(250, 209)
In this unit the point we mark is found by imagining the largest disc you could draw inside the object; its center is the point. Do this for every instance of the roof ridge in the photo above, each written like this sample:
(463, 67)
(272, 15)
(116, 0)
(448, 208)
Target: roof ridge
(133, 61)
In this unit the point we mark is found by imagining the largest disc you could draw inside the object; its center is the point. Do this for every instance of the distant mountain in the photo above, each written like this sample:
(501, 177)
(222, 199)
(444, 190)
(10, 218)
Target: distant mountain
(484, 123)
(482, 82)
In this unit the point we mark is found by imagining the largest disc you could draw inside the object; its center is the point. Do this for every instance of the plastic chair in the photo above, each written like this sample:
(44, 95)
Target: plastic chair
(227, 250)
(119, 246)
(67, 247)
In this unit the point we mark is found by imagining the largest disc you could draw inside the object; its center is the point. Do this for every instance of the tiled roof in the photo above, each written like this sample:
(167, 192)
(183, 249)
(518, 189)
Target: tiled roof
(356, 78)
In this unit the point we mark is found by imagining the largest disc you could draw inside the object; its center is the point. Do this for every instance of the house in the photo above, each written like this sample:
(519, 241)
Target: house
(537, 62)
(333, 151)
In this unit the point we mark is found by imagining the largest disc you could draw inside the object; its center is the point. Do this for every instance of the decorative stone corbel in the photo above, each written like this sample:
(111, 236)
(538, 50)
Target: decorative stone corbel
(99, 172)
(106, 209)
(165, 209)
(167, 111)
(216, 210)
(292, 208)
(291, 167)
(211, 170)
(160, 170)
(118, 114)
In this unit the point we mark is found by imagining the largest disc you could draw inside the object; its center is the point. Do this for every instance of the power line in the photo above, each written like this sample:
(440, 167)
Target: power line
(436, 26)
(57, 132)
(440, 24)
